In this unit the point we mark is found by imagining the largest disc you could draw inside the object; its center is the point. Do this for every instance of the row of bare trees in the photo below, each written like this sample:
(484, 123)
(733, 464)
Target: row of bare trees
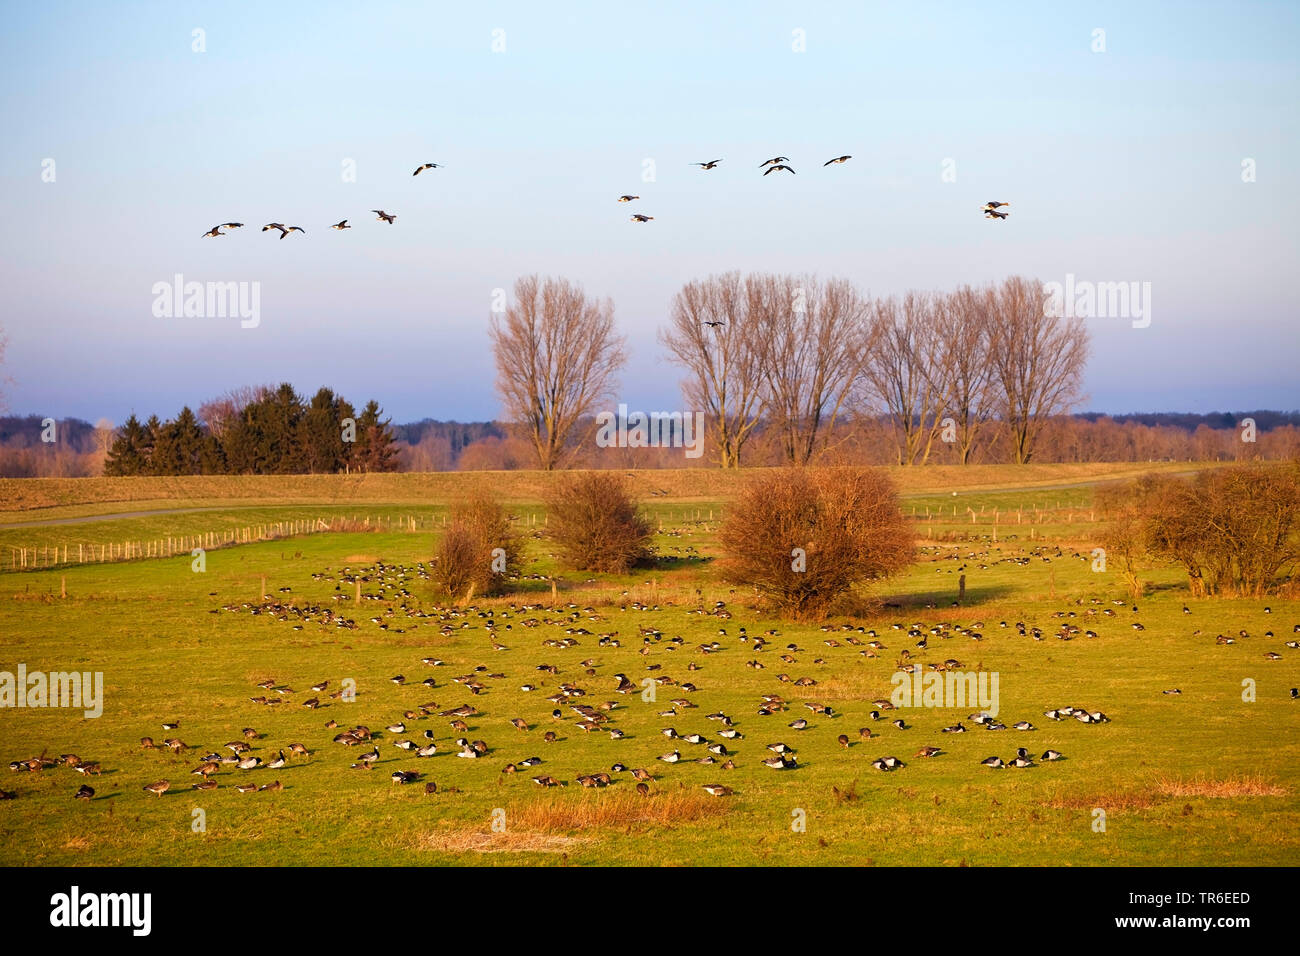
(798, 355)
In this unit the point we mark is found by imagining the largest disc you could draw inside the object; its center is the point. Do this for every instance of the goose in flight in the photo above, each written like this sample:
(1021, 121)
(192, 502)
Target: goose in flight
(285, 232)
(709, 165)
(231, 225)
(426, 166)
(385, 216)
(837, 159)
(640, 218)
(772, 169)
(627, 198)
(275, 225)
(715, 324)
(994, 214)
(994, 205)
(773, 161)
(214, 231)
(341, 224)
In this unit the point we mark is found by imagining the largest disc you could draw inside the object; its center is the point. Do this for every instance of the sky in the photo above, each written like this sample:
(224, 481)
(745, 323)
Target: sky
(1124, 163)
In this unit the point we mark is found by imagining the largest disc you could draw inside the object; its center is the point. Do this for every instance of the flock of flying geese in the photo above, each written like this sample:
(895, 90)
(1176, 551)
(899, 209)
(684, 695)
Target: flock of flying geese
(380, 216)
(775, 164)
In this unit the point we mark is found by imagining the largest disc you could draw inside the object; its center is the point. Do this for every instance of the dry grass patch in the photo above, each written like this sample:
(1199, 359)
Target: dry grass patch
(480, 841)
(1237, 785)
(1164, 788)
(560, 813)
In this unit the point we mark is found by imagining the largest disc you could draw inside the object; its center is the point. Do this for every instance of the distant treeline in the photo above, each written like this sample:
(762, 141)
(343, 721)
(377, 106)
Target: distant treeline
(273, 431)
(1188, 421)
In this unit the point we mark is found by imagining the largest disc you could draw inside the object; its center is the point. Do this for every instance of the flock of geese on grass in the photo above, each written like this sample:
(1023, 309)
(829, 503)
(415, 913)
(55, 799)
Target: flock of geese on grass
(567, 688)
(775, 164)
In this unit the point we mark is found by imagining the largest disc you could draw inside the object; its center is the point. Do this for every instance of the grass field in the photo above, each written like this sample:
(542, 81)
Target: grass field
(1202, 777)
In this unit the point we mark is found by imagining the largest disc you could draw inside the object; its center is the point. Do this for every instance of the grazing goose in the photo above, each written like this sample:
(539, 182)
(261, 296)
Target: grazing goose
(405, 776)
(426, 166)
(643, 789)
(717, 790)
(278, 762)
(672, 757)
(837, 159)
(84, 793)
(994, 762)
(1052, 755)
(207, 783)
(1022, 725)
(928, 751)
(158, 788)
(273, 786)
(384, 216)
(246, 787)
(956, 728)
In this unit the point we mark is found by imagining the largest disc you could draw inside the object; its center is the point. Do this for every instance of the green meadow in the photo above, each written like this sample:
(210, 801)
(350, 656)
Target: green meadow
(1203, 777)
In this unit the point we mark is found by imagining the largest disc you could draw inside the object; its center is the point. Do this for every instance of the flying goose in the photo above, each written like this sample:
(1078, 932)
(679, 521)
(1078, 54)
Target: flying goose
(283, 233)
(995, 205)
(214, 231)
(994, 214)
(772, 169)
(341, 224)
(640, 218)
(709, 165)
(275, 225)
(773, 161)
(426, 166)
(627, 198)
(384, 216)
(232, 225)
(837, 159)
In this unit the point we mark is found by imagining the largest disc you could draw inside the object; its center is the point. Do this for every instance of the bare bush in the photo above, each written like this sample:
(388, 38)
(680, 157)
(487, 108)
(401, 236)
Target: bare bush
(806, 539)
(1235, 530)
(479, 549)
(596, 524)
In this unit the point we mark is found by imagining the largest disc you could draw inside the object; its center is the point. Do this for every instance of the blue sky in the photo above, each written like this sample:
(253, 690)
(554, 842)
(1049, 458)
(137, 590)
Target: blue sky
(1122, 165)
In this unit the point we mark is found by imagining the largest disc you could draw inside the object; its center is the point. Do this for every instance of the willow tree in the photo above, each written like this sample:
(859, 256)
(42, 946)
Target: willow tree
(712, 334)
(1038, 361)
(556, 356)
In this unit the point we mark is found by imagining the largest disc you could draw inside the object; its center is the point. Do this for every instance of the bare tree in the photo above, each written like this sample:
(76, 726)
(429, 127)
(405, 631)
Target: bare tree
(964, 322)
(1038, 362)
(219, 412)
(556, 357)
(4, 341)
(813, 338)
(908, 371)
(712, 335)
